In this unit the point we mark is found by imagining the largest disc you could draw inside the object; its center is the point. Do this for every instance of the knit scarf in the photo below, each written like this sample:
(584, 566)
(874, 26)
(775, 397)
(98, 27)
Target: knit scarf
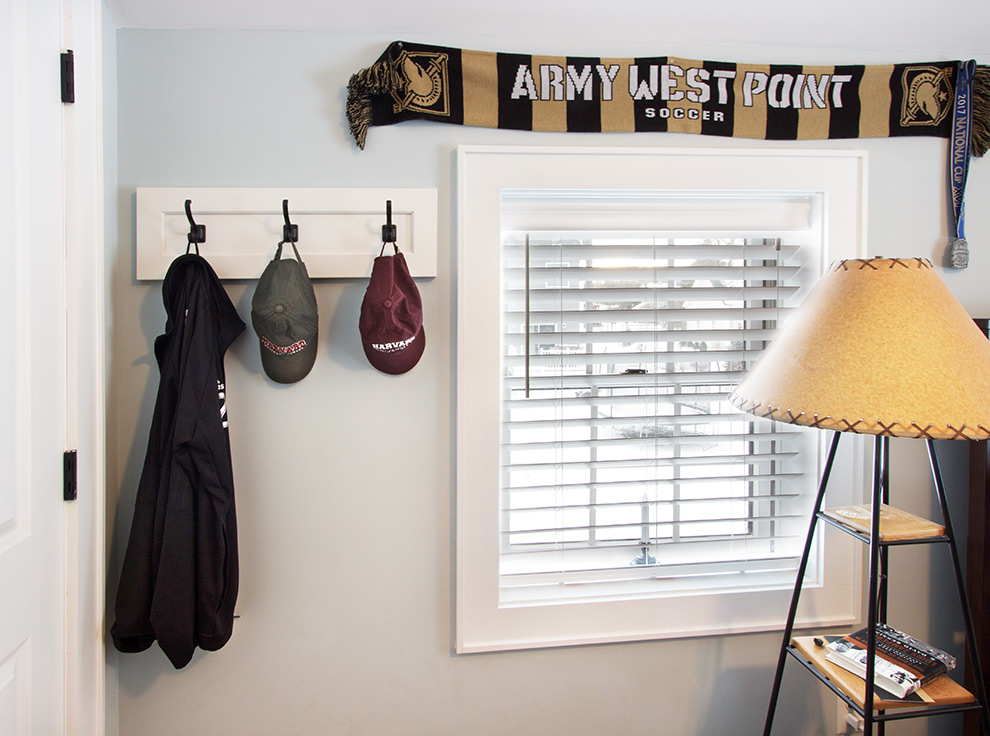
(662, 94)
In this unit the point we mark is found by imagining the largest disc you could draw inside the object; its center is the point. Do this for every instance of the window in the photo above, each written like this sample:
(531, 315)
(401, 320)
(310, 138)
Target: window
(621, 458)
(608, 301)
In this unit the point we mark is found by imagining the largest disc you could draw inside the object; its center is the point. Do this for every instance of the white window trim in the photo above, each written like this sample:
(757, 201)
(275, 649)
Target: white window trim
(830, 598)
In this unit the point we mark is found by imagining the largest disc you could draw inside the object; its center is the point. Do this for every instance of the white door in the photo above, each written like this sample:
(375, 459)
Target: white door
(32, 371)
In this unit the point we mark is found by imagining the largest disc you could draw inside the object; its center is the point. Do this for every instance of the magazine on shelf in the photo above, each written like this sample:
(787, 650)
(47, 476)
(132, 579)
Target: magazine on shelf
(894, 523)
(903, 664)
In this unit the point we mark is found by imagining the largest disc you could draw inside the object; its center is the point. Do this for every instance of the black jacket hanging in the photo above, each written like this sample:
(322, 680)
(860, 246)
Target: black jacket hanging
(179, 580)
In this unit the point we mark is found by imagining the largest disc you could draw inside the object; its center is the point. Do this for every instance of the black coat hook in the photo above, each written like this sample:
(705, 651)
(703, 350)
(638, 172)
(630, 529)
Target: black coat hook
(197, 233)
(290, 232)
(389, 231)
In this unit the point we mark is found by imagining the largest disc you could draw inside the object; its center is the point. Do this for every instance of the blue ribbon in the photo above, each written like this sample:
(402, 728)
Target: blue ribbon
(959, 156)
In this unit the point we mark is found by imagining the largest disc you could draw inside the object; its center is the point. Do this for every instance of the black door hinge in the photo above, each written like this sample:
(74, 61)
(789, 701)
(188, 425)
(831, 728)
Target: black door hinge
(68, 77)
(69, 475)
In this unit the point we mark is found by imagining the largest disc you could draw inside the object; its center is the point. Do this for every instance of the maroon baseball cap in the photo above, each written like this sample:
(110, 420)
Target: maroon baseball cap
(391, 320)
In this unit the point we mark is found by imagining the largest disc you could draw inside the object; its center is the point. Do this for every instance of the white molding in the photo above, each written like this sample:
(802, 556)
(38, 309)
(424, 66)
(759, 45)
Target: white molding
(86, 380)
(339, 229)
(483, 621)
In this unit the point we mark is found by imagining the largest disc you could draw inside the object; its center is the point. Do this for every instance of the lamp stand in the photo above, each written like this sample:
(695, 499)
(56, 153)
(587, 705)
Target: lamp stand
(877, 600)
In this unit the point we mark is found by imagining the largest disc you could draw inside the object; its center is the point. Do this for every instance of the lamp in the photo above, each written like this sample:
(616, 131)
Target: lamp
(879, 346)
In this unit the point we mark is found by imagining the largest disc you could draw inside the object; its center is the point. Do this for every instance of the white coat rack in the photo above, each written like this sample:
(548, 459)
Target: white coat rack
(339, 229)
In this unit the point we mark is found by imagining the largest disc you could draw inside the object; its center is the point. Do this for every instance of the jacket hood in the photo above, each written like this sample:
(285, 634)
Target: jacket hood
(186, 275)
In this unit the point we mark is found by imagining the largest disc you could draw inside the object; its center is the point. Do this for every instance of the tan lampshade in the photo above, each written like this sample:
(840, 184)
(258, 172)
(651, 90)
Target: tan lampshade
(879, 346)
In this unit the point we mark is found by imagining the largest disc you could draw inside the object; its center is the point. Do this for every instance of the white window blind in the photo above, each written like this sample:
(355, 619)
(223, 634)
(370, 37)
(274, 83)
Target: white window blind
(621, 458)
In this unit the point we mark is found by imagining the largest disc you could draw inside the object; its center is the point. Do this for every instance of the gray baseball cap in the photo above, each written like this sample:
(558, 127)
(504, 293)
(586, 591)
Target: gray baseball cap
(284, 314)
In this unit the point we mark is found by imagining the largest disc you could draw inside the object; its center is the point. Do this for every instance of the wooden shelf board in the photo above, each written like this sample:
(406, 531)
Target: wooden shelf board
(941, 691)
(895, 524)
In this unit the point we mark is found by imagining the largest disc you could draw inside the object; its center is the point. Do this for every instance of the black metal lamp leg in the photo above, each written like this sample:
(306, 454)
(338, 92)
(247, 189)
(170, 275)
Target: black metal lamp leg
(884, 551)
(874, 603)
(971, 647)
(795, 596)
(884, 478)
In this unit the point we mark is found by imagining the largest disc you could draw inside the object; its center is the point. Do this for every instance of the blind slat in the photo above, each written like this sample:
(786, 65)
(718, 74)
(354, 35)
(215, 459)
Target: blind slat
(676, 440)
(743, 277)
(564, 529)
(749, 314)
(574, 359)
(543, 249)
(575, 295)
(608, 399)
(753, 458)
(603, 505)
(661, 210)
(646, 484)
(654, 421)
(514, 339)
(624, 380)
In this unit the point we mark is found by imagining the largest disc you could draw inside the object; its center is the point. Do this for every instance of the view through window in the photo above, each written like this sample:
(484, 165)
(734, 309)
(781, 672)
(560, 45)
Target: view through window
(621, 458)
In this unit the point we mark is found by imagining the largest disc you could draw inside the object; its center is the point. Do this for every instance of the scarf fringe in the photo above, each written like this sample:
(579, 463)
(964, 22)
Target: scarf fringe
(980, 141)
(378, 79)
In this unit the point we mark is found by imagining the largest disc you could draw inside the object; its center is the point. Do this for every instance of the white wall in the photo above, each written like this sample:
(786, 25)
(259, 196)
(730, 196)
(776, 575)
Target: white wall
(344, 481)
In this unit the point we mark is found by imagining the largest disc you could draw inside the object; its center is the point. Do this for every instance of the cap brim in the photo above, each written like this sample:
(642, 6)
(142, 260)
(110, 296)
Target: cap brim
(398, 361)
(289, 368)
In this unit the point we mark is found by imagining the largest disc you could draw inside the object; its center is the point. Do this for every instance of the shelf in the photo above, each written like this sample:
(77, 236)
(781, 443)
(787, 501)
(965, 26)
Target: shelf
(895, 525)
(339, 229)
(943, 691)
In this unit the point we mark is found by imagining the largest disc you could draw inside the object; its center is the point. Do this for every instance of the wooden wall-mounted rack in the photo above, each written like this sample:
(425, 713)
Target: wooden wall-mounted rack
(339, 229)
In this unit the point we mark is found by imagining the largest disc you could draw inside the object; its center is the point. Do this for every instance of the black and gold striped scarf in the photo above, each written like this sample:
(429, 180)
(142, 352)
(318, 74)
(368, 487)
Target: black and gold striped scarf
(661, 94)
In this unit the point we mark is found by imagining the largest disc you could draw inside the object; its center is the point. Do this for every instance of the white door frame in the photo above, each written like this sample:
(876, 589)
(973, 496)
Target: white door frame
(85, 523)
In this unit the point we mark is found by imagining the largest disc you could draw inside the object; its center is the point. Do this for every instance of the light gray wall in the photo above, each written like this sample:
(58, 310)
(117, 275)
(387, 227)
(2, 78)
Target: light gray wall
(344, 481)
